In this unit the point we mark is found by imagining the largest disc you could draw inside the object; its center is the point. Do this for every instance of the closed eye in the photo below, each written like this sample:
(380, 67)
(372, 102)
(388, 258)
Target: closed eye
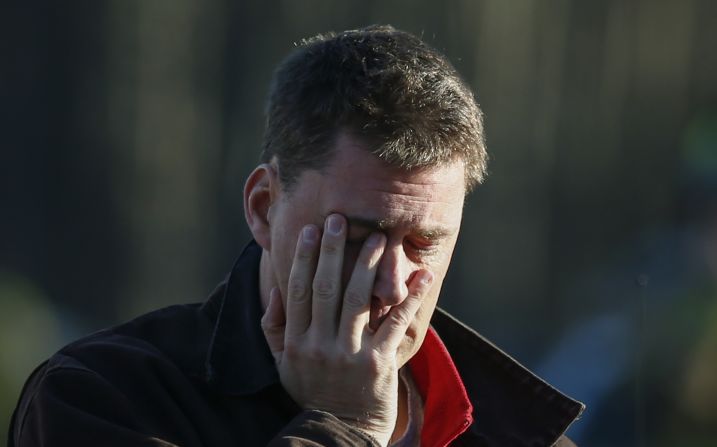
(420, 248)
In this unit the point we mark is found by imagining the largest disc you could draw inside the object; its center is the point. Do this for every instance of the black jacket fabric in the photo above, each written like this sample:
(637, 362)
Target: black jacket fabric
(203, 375)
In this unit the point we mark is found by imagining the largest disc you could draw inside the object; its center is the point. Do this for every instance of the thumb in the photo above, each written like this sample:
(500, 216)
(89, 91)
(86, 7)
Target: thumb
(273, 324)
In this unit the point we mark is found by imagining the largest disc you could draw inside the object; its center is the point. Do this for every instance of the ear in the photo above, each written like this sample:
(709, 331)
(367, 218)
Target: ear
(260, 193)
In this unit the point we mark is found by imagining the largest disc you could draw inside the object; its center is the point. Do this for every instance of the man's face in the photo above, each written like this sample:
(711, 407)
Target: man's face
(419, 211)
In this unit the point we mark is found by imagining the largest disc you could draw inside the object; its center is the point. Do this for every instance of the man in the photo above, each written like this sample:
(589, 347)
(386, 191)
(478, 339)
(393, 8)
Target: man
(320, 335)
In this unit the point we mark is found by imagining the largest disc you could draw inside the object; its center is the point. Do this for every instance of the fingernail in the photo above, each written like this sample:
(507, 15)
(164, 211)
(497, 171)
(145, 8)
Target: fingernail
(310, 234)
(335, 224)
(426, 278)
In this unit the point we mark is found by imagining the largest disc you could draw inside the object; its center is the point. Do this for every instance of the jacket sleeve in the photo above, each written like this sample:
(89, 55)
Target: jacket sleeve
(73, 406)
(317, 428)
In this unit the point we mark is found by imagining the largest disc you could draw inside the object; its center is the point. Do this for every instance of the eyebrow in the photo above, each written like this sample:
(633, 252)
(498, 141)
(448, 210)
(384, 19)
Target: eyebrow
(386, 224)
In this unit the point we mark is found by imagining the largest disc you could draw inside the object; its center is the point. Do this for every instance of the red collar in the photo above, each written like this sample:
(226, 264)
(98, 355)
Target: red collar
(447, 411)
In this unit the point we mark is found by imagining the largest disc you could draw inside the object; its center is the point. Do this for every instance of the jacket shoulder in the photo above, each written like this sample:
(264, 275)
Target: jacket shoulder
(66, 403)
(175, 335)
(117, 380)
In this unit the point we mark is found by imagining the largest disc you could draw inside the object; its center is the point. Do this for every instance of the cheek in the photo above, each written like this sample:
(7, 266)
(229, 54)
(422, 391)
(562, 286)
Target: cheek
(442, 261)
(431, 299)
(282, 253)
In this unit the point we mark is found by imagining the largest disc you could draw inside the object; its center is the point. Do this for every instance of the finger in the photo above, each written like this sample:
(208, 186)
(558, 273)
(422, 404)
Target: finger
(391, 331)
(356, 305)
(273, 324)
(327, 282)
(298, 299)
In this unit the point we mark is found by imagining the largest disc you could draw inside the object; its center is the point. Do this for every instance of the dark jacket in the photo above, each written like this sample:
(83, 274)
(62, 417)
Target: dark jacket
(202, 375)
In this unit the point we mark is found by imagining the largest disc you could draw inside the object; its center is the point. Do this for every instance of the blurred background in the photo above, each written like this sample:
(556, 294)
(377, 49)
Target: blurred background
(590, 253)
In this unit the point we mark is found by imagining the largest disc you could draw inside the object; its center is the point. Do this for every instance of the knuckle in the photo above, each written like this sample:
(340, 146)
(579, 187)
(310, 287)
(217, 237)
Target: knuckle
(265, 326)
(353, 298)
(374, 363)
(412, 303)
(345, 359)
(329, 248)
(297, 290)
(318, 355)
(324, 288)
(304, 255)
(399, 318)
(292, 350)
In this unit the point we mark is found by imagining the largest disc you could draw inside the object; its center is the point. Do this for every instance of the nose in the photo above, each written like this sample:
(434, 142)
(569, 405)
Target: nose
(391, 277)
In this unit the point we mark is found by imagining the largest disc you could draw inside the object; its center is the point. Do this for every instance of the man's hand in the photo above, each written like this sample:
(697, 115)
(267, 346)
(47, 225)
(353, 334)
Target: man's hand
(327, 356)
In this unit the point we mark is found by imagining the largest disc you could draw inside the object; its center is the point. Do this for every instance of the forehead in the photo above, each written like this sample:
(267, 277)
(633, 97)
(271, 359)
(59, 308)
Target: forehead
(358, 184)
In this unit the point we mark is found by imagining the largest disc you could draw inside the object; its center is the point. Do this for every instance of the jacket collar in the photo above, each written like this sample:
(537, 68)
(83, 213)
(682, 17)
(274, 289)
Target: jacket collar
(512, 406)
(239, 361)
